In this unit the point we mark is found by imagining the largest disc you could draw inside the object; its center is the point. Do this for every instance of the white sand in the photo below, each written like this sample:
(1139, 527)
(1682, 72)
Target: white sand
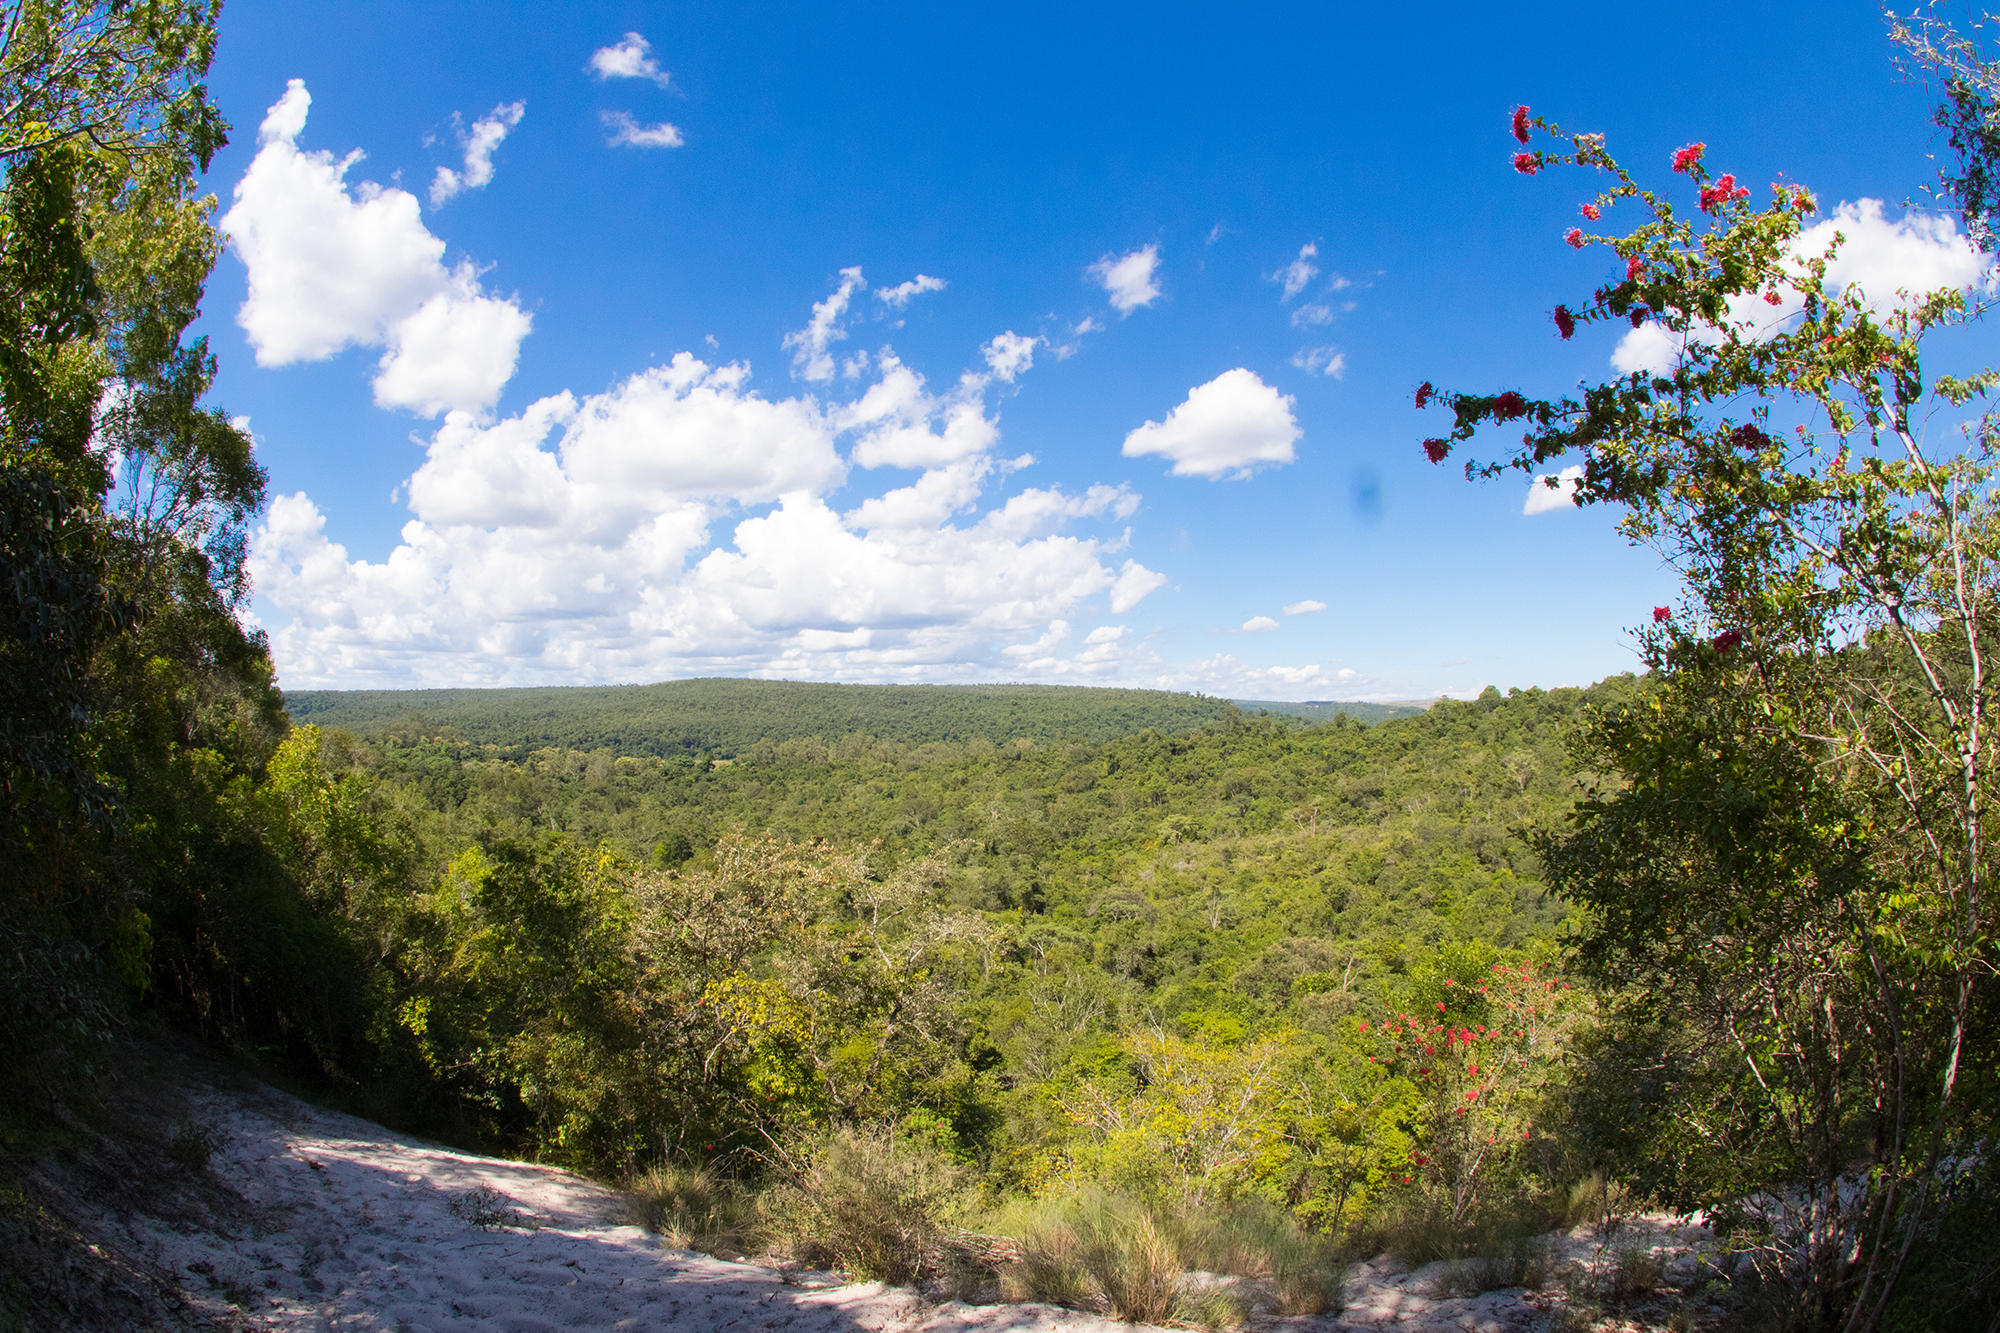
(350, 1226)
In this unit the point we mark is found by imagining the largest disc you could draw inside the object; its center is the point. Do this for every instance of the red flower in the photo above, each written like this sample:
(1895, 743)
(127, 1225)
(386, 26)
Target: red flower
(1772, 298)
(1435, 450)
(1575, 237)
(1634, 266)
(1685, 158)
(1726, 641)
(1638, 315)
(1527, 163)
(1509, 405)
(1364, 1025)
(1722, 192)
(1440, 1006)
(1565, 322)
(1424, 392)
(1660, 616)
(1749, 438)
(1521, 124)
(1590, 211)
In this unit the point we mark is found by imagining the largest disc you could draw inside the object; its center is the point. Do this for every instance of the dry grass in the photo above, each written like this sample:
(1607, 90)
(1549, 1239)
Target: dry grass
(691, 1207)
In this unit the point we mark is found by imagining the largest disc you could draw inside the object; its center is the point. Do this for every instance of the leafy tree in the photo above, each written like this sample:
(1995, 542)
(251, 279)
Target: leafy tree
(1790, 881)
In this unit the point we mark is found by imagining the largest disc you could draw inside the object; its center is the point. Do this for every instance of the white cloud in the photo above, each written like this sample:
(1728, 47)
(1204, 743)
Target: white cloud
(1134, 582)
(1312, 316)
(1305, 608)
(629, 58)
(1918, 253)
(480, 141)
(812, 361)
(629, 133)
(1299, 273)
(1259, 625)
(1129, 278)
(1224, 675)
(1107, 634)
(1546, 494)
(331, 268)
(1229, 426)
(1044, 646)
(1009, 354)
(904, 292)
(1328, 361)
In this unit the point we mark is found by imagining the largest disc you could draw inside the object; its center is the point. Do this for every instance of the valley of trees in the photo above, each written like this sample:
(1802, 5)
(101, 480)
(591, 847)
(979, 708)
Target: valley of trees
(1716, 937)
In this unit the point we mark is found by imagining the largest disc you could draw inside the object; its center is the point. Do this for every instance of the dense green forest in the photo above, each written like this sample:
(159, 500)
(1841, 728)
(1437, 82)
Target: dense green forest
(726, 718)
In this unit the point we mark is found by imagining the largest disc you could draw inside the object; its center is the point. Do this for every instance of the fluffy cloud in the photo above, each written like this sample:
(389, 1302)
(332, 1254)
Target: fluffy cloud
(1296, 275)
(1009, 354)
(1230, 426)
(904, 292)
(1328, 361)
(1226, 676)
(486, 135)
(331, 268)
(1259, 625)
(810, 359)
(1129, 278)
(1133, 583)
(1305, 608)
(1887, 262)
(629, 133)
(629, 58)
(1547, 494)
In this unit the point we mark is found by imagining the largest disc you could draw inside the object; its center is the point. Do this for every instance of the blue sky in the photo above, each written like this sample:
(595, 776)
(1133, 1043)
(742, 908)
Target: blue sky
(568, 414)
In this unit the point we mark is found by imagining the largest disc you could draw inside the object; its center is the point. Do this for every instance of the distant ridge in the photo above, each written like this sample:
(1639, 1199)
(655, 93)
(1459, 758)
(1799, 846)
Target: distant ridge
(1325, 710)
(724, 717)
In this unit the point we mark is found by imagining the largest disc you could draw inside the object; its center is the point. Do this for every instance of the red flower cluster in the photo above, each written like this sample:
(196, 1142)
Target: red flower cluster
(1509, 405)
(1527, 163)
(1565, 322)
(1590, 211)
(1726, 642)
(1575, 237)
(1424, 392)
(1435, 450)
(1634, 266)
(1772, 298)
(1747, 437)
(1724, 191)
(1661, 614)
(1638, 315)
(1685, 158)
(1521, 124)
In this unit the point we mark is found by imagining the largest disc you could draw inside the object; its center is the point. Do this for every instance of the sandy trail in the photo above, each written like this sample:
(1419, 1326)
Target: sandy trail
(347, 1225)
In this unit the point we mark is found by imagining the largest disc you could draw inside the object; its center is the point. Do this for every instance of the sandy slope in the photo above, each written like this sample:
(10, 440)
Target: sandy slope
(335, 1222)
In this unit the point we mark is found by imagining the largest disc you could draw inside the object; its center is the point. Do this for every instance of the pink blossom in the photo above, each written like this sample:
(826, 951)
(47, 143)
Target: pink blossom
(1521, 124)
(1424, 392)
(1685, 158)
(1727, 641)
(1590, 211)
(1634, 266)
(1575, 237)
(1527, 163)
(1509, 405)
(1565, 322)
(1435, 450)
(1660, 615)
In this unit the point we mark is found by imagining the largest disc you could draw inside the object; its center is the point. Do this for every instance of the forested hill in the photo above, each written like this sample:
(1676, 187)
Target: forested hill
(1326, 710)
(727, 717)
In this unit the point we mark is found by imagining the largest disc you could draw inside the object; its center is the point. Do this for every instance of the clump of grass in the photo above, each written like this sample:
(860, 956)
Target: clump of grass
(194, 1144)
(871, 1202)
(693, 1207)
(486, 1209)
(1635, 1271)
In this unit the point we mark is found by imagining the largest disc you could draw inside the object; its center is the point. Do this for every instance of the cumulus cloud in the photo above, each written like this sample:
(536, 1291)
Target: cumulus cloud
(629, 133)
(1298, 274)
(904, 292)
(1259, 625)
(1305, 608)
(810, 359)
(1230, 427)
(479, 142)
(1132, 585)
(1009, 354)
(629, 58)
(1129, 278)
(1887, 262)
(332, 267)
(1547, 494)
(1328, 361)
